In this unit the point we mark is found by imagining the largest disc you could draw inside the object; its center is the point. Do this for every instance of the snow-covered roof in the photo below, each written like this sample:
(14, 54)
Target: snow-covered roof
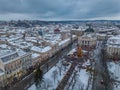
(80, 29)
(21, 52)
(4, 52)
(1, 73)
(14, 37)
(115, 37)
(114, 41)
(74, 36)
(21, 43)
(35, 55)
(52, 37)
(88, 36)
(30, 38)
(9, 58)
(108, 29)
(64, 41)
(3, 46)
(115, 46)
(41, 49)
(101, 34)
(8, 55)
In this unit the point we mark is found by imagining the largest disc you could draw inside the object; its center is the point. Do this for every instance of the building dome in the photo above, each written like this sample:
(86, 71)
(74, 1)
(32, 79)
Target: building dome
(90, 29)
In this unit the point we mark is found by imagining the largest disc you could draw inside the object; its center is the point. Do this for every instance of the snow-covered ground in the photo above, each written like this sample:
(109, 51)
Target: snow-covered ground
(52, 78)
(114, 70)
(79, 79)
(82, 80)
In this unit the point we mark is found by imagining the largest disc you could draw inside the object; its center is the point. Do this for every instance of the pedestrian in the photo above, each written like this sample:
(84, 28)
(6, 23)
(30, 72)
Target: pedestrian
(102, 82)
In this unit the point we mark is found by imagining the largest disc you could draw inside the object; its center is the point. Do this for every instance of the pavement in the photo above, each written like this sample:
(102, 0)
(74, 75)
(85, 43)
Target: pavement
(99, 69)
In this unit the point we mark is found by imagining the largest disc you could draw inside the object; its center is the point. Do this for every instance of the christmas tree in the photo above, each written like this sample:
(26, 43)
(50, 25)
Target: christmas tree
(79, 52)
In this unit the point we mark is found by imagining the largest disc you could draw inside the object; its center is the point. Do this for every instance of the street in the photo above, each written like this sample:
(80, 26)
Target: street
(99, 69)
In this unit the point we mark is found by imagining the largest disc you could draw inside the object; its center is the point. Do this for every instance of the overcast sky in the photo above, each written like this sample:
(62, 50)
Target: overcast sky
(59, 9)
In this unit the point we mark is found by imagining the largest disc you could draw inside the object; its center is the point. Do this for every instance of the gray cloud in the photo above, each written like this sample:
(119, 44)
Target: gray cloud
(58, 9)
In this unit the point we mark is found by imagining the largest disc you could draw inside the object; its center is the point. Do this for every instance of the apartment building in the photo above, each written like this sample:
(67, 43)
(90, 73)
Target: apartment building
(113, 45)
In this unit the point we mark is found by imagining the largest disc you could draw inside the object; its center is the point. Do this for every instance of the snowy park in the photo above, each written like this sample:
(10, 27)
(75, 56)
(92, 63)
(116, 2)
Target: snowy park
(80, 79)
(52, 78)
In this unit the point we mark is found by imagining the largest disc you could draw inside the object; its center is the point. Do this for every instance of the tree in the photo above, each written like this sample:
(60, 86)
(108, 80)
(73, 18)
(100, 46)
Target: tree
(55, 73)
(60, 69)
(46, 84)
(38, 76)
